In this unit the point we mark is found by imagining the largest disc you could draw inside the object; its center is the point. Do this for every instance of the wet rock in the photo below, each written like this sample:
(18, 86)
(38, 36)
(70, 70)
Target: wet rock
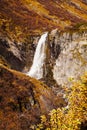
(29, 48)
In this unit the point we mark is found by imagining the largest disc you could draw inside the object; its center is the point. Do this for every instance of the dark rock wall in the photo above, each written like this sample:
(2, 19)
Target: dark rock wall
(11, 51)
(18, 55)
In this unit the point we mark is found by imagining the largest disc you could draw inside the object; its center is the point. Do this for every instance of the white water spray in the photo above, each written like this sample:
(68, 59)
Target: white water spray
(36, 70)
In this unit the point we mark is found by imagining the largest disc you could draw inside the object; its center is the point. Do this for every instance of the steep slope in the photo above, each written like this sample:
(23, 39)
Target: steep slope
(23, 99)
(27, 16)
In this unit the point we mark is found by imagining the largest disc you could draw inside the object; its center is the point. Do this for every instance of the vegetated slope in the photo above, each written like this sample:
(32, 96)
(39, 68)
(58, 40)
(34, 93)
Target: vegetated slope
(27, 16)
(23, 99)
(72, 117)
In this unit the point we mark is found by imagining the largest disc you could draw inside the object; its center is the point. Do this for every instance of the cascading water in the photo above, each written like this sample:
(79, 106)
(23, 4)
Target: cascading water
(36, 70)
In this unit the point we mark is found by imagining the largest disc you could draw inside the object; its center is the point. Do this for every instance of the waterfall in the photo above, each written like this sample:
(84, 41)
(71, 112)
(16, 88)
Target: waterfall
(36, 70)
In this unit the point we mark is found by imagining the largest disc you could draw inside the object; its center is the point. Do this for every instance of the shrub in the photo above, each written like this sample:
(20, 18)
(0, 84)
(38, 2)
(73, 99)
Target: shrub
(74, 116)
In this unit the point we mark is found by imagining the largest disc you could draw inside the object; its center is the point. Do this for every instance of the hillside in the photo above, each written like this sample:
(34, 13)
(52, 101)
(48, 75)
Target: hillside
(22, 17)
(23, 100)
(43, 54)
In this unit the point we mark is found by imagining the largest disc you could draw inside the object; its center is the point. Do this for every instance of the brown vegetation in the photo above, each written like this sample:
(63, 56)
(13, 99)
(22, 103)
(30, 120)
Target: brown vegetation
(23, 100)
(19, 18)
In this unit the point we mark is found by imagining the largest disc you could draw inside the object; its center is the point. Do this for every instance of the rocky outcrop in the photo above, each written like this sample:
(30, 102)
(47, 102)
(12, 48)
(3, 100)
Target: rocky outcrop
(23, 100)
(18, 55)
(11, 52)
(69, 51)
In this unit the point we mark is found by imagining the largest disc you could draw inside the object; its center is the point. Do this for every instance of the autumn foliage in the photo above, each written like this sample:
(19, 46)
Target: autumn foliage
(74, 116)
(21, 17)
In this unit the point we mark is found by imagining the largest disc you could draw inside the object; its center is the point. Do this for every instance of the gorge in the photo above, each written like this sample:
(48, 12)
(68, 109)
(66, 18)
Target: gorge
(43, 65)
(59, 58)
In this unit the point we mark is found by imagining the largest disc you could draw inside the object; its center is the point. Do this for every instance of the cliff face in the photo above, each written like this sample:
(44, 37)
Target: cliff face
(66, 57)
(17, 54)
(12, 52)
(70, 53)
